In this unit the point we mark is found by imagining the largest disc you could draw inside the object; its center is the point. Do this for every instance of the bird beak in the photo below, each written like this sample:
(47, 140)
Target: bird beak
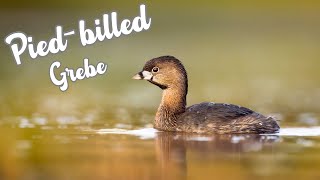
(143, 75)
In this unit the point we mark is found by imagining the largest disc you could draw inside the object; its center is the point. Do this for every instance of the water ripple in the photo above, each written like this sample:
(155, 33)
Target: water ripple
(150, 133)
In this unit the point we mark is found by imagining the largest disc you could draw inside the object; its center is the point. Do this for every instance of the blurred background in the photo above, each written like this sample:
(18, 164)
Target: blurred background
(264, 55)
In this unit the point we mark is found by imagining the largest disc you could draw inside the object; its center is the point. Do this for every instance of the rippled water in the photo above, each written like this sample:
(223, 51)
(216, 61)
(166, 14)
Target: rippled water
(36, 149)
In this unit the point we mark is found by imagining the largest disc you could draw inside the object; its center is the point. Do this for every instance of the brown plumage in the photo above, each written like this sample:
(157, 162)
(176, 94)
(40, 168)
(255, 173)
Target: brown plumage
(168, 73)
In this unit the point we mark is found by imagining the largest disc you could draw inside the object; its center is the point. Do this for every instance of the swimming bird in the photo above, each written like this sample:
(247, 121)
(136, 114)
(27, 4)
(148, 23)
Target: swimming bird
(168, 73)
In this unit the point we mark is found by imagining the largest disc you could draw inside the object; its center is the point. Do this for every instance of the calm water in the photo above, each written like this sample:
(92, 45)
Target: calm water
(36, 149)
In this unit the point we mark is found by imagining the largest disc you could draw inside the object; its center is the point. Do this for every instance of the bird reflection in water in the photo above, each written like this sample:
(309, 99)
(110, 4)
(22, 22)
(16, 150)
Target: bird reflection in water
(172, 148)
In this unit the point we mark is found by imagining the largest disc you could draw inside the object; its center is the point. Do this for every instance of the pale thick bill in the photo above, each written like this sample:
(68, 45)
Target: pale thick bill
(143, 75)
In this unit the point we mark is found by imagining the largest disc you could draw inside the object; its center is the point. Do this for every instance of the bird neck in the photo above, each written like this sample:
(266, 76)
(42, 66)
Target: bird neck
(173, 103)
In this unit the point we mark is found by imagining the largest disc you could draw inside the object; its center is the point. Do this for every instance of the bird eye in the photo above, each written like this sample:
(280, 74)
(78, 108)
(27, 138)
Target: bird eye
(155, 69)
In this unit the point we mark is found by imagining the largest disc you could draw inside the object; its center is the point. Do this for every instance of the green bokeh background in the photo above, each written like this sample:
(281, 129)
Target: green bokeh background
(264, 55)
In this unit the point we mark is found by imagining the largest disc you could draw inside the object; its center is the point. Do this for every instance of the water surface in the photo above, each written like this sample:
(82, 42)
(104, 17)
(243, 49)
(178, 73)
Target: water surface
(69, 151)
